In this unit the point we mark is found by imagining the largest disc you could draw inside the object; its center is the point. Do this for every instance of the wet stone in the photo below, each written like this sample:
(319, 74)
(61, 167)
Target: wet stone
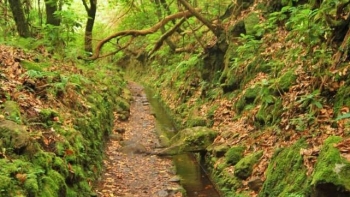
(175, 179)
(255, 184)
(162, 193)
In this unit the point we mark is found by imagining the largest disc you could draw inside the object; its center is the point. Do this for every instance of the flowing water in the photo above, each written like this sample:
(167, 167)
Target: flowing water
(193, 177)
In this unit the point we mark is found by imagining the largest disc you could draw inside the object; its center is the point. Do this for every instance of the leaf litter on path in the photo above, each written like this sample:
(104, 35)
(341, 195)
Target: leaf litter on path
(131, 174)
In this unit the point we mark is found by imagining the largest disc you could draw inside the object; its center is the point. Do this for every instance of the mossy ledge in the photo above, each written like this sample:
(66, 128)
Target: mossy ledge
(56, 150)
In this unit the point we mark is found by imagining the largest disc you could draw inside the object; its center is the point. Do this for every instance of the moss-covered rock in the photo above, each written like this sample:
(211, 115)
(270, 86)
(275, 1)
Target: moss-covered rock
(332, 172)
(293, 183)
(228, 182)
(218, 150)
(234, 155)
(244, 168)
(250, 23)
(193, 139)
(47, 116)
(196, 121)
(13, 136)
(12, 112)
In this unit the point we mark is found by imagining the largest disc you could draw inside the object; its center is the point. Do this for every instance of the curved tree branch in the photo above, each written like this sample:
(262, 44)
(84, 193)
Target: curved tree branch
(166, 35)
(120, 48)
(142, 32)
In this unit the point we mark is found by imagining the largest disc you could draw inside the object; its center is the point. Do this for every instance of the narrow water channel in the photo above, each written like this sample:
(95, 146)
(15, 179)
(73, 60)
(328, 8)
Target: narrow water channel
(193, 178)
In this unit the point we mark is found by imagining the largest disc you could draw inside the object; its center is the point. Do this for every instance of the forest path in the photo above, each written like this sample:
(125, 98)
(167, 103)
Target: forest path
(127, 172)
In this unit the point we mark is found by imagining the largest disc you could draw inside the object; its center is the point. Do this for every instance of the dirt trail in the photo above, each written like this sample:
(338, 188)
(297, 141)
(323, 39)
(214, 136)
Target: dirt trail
(128, 173)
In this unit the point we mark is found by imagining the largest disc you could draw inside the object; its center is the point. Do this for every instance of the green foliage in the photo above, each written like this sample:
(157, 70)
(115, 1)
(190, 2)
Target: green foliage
(286, 80)
(184, 66)
(347, 115)
(303, 23)
(310, 101)
(140, 17)
(275, 19)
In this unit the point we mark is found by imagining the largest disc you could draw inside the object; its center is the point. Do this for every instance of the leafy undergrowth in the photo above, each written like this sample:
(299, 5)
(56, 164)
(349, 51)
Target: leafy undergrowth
(281, 92)
(54, 118)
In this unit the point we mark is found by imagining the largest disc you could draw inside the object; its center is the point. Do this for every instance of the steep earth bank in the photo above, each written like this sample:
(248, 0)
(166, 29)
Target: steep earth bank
(54, 119)
(279, 104)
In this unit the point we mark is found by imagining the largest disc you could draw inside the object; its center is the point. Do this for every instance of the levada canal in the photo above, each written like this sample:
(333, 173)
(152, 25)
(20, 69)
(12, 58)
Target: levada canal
(193, 177)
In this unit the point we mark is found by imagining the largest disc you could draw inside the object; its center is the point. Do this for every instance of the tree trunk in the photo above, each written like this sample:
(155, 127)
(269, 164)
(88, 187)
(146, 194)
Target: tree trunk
(89, 24)
(20, 20)
(51, 7)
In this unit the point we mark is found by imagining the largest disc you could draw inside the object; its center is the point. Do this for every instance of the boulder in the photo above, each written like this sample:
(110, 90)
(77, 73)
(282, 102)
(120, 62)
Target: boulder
(332, 171)
(244, 168)
(13, 135)
(11, 111)
(194, 139)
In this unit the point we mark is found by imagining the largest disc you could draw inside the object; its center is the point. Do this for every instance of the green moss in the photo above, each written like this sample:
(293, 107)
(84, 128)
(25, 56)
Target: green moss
(80, 146)
(52, 185)
(269, 113)
(13, 137)
(240, 104)
(47, 116)
(43, 159)
(78, 173)
(218, 150)
(226, 181)
(72, 192)
(342, 98)
(248, 98)
(12, 112)
(252, 92)
(6, 184)
(286, 174)
(250, 23)
(244, 167)
(123, 104)
(196, 121)
(231, 83)
(192, 139)
(286, 80)
(234, 155)
(332, 171)
(32, 65)
(31, 185)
